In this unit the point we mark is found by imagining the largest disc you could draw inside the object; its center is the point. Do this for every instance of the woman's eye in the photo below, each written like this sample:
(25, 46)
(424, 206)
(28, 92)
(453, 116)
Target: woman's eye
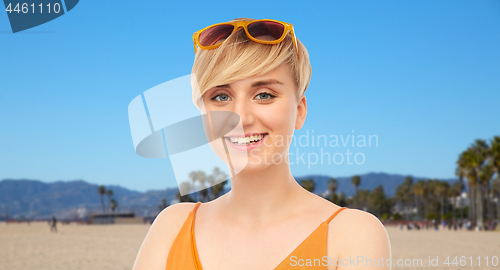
(221, 97)
(224, 98)
(265, 96)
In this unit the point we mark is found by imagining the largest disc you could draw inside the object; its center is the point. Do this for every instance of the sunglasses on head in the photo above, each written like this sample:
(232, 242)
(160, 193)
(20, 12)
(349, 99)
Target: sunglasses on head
(260, 31)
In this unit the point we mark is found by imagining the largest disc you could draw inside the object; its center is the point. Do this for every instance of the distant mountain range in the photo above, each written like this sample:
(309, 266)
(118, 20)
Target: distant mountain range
(68, 199)
(76, 199)
(368, 181)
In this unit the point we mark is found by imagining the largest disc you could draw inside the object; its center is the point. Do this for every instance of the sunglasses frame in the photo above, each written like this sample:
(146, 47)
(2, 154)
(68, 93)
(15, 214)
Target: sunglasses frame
(287, 28)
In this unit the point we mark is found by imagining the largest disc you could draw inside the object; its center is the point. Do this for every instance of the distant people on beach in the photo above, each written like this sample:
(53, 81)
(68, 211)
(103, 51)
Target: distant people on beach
(490, 226)
(53, 224)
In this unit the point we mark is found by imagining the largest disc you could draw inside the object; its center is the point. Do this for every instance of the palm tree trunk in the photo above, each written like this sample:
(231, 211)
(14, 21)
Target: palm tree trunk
(445, 205)
(415, 203)
(498, 206)
(461, 206)
(498, 196)
(474, 205)
(489, 202)
(442, 208)
(102, 203)
(472, 213)
(461, 209)
(424, 208)
(405, 207)
(418, 206)
(479, 210)
(453, 207)
(357, 197)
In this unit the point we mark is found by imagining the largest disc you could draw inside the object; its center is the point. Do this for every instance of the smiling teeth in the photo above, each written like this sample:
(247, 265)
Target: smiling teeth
(247, 140)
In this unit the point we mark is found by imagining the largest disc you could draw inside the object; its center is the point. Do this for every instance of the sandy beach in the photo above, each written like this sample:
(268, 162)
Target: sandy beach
(114, 247)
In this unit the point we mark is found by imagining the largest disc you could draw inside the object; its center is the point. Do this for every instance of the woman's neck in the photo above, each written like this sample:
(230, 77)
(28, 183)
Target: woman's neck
(263, 195)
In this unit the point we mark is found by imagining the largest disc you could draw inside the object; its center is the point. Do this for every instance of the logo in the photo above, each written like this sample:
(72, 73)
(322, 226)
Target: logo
(164, 121)
(26, 14)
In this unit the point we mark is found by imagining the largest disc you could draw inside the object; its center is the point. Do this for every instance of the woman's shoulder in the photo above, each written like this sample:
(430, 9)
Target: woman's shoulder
(356, 217)
(156, 245)
(175, 213)
(356, 221)
(170, 220)
(357, 232)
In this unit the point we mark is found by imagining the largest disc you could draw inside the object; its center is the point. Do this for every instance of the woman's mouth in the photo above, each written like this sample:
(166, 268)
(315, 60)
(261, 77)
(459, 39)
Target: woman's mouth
(247, 142)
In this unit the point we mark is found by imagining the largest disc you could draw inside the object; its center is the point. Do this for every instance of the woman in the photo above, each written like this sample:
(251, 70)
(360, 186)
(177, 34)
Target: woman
(259, 70)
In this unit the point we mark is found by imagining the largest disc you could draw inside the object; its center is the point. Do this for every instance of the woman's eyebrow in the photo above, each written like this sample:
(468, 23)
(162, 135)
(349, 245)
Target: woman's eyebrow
(265, 82)
(254, 84)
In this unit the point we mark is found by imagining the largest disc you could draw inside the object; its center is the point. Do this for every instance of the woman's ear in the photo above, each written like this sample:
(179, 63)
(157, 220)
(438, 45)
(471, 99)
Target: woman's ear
(301, 113)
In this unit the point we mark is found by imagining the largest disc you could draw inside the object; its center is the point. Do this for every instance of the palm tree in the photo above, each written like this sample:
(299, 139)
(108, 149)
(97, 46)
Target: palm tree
(201, 177)
(163, 204)
(184, 188)
(485, 175)
(308, 184)
(459, 171)
(109, 194)
(464, 170)
(494, 160)
(113, 204)
(420, 191)
(441, 191)
(473, 161)
(454, 192)
(332, 186)
(480, 149)
(218, 179)
(400, 196)
(378, 200)
(193, 176)
(363, 199)
(342, 199)
(408, 183)
(356, 181)
(403, 193)
(217, 189)
(432, 199)
(211, 183)
(495, 189)
(102, 191)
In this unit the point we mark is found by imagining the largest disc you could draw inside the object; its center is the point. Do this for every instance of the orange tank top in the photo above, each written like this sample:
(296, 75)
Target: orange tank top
(183, 253)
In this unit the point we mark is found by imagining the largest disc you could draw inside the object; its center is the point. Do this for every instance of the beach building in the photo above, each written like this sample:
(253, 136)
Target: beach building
(115, 218)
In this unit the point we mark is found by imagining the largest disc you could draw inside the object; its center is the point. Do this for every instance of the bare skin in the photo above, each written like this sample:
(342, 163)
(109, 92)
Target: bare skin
(267, 214)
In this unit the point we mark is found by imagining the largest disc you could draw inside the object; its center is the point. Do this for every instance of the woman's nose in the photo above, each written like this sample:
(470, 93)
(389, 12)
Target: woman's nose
(245, 112)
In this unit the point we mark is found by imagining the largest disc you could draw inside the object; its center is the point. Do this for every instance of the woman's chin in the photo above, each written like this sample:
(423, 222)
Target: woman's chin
(255, 166)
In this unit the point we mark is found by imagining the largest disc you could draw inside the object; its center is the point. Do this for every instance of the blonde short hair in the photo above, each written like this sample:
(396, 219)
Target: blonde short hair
(238, 58)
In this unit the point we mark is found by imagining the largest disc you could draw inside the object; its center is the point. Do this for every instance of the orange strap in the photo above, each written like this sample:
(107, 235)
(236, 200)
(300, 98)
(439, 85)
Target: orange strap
(194, 249)
(334, 214)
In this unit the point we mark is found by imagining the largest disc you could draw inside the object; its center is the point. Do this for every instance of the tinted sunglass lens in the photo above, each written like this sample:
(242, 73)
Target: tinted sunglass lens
(266, 30)
(215, 35)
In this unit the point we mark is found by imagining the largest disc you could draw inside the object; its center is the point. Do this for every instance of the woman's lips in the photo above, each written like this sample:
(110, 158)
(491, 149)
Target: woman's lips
(247, 147)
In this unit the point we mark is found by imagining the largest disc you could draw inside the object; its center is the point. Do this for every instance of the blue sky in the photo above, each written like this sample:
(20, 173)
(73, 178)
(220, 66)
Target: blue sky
(421, 75)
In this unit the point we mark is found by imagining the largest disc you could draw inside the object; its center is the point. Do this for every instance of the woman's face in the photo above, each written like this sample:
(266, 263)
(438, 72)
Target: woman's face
(268, 109)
